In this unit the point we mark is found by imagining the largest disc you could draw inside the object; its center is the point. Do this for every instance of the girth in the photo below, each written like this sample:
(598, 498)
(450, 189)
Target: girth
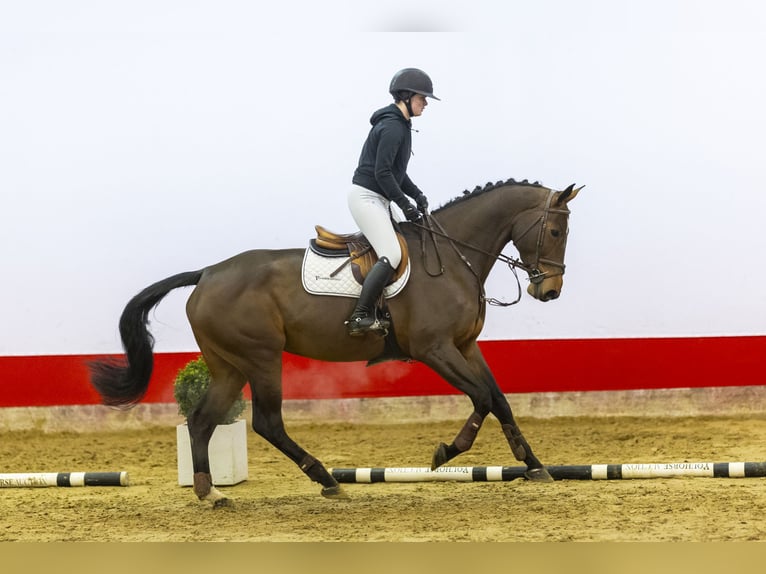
(357, 249)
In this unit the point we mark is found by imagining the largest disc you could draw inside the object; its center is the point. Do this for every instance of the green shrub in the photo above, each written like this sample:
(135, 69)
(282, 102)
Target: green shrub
(190, 386)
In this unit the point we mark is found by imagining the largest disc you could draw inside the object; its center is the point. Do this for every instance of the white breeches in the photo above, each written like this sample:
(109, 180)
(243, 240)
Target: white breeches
(371, 212)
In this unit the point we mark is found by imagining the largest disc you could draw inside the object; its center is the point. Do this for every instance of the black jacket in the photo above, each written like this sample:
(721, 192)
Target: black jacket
(385, 155)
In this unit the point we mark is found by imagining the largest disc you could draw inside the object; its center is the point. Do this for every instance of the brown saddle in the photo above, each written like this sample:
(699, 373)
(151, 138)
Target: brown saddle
(359, 251)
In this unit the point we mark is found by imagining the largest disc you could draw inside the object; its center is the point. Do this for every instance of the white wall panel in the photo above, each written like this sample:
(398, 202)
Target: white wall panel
(142, 139)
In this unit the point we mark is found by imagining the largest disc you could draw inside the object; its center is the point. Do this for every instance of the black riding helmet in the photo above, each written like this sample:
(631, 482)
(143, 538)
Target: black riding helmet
(411, 81)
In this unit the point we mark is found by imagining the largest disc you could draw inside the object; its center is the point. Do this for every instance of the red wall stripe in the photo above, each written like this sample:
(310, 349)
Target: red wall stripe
(555, 365)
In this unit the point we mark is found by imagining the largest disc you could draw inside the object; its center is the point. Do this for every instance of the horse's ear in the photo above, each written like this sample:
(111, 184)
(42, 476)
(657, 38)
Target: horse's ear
(568, 194)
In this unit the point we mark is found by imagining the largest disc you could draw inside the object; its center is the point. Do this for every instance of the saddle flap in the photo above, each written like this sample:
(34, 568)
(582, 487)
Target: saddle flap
(363, 257)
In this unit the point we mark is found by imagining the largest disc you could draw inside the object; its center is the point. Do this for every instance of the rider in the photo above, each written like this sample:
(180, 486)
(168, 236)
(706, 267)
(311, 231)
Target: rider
(380, 178)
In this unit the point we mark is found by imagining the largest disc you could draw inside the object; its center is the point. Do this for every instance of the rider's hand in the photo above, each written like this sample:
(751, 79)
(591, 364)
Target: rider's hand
(412, 214)
(422, 202)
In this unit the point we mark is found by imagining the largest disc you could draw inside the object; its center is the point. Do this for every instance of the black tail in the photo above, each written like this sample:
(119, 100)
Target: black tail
(123, 383)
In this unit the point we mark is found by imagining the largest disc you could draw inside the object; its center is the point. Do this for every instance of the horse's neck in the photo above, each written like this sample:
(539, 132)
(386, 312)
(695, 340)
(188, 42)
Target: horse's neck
(486, 221)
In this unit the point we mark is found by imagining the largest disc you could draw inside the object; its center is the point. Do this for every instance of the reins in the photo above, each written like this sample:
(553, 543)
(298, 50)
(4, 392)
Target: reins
(535, 275)
(512, 263)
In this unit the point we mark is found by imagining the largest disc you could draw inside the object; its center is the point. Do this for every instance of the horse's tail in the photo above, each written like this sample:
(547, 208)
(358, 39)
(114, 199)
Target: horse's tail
(123, 383)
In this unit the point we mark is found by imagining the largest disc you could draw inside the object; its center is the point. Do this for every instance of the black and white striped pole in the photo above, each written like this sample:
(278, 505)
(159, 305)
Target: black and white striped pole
(43, 479)
(575, 472)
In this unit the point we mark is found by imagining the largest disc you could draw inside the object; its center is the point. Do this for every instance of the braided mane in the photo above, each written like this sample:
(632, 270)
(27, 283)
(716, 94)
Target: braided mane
(489, 186)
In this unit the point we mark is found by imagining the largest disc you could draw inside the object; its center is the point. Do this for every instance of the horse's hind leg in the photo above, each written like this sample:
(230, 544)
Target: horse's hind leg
(266, 386)
(226, 383)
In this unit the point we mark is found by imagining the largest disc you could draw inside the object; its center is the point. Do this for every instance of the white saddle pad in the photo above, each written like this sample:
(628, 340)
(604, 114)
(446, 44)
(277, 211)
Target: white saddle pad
(316, 277)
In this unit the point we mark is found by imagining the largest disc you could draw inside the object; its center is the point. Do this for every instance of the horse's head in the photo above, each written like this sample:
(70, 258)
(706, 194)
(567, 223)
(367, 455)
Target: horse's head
(540, 235)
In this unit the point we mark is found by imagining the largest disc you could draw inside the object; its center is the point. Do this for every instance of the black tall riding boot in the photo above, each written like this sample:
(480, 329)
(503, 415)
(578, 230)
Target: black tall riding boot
(363, 318)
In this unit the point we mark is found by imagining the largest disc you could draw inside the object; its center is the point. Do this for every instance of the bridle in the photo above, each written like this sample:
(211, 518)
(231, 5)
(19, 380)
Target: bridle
(536, 276)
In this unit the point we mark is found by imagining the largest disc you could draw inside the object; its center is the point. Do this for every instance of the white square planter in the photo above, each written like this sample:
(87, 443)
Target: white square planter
(228, 454)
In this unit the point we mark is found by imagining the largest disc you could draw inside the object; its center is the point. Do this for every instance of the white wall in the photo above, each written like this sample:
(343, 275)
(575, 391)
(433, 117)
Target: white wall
(140, 139)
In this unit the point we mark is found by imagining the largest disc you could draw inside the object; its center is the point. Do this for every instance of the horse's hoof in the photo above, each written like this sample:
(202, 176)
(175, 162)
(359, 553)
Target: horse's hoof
(538, 475)
(335, 493)
(216, 498)
(439, 457)
(223, 503)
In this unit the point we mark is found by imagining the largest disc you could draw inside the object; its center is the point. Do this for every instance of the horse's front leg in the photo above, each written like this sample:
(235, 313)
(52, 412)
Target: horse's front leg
(451, 365)
(462, 442)
(519, 445)
(520, 448)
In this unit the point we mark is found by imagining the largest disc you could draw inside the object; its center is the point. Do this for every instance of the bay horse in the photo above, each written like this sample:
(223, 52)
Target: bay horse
(245, 311)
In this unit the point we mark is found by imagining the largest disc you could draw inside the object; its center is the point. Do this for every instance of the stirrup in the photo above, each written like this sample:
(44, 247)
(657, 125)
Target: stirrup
(358, 326)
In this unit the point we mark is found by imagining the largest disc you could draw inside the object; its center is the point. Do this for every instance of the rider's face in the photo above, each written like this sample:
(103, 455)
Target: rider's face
(418, 104)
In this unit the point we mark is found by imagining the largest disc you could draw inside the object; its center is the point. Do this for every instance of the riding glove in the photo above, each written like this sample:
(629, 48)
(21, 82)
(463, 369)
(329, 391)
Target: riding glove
(422, 202)
(412, 214)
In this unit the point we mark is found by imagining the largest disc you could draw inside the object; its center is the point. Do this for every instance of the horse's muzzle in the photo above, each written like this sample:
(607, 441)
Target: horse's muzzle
(550, 295)
(547, 290)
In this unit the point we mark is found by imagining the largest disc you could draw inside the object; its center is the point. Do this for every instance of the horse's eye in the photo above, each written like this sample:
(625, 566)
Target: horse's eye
(555, 232)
